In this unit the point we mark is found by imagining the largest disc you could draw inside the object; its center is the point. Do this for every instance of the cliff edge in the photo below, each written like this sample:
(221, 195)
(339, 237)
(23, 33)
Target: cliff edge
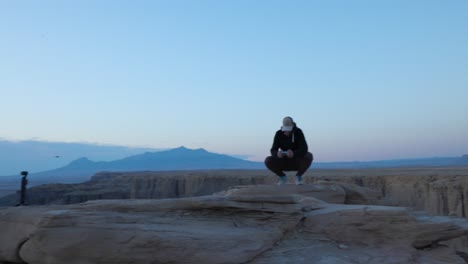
(248, 224)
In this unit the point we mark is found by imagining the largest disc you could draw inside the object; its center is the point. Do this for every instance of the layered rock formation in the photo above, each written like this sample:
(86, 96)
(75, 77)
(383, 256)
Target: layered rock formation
(440, 191)
(154, 185)
(250, 224)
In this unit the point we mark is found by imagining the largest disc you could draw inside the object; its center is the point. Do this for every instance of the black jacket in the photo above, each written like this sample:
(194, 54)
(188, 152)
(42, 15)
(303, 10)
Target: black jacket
(296, 142)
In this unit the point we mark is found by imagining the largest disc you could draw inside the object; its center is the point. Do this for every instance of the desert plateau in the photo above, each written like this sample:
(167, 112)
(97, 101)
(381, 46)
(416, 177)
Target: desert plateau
(404, 215)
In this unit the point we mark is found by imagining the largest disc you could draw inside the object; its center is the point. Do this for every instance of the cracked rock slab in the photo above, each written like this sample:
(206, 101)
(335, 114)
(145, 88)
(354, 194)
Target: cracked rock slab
(256, 224)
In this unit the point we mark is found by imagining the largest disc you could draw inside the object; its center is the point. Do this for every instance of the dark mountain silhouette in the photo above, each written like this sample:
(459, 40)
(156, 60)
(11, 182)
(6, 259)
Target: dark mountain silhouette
(199, 159)
(175, 159)
(35, 156)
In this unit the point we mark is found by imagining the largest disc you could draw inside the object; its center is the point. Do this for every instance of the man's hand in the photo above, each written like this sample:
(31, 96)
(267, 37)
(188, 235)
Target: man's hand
(290, 154)
(279, 154)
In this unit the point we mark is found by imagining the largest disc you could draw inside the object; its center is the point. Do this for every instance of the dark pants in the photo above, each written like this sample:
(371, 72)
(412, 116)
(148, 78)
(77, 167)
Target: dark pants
(279, 166)
(23, 196)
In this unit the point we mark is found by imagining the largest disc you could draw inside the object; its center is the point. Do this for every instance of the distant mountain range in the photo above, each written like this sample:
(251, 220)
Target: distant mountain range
(421, 162)
(36, 156)
(199, 159)
(174, 159)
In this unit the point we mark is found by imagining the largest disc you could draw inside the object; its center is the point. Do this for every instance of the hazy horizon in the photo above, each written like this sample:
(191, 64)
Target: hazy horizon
(365, 80)
(37, 156)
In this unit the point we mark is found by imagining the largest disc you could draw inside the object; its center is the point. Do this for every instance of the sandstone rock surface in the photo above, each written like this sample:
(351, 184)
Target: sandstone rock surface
(439, 191)
(247, 224)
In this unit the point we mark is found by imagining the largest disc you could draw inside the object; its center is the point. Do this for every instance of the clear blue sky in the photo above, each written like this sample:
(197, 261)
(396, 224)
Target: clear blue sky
(365, 80)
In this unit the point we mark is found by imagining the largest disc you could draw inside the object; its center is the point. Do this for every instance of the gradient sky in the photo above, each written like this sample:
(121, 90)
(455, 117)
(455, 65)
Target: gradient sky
(365, 80)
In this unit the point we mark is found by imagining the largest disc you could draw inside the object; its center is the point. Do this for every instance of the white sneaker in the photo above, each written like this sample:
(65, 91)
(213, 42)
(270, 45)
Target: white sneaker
(282, 180)
(299, 180)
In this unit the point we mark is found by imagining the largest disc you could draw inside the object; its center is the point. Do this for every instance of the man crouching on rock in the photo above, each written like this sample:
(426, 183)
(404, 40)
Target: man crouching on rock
(289, 152)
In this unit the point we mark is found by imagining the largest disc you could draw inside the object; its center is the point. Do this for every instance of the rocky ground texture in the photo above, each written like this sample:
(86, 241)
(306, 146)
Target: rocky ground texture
(324, 222)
